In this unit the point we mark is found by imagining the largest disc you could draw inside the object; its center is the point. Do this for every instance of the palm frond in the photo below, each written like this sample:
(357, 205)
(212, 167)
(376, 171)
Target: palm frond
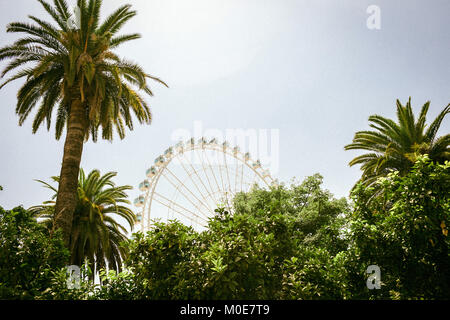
(96, 233)
(396, 146)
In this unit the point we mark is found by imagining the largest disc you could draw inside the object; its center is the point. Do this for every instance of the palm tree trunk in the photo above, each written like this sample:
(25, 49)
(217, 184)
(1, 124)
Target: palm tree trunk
(67, 190)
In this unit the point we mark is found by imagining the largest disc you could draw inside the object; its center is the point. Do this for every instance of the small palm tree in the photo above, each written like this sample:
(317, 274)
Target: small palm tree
(70, 69)
(396, 146)
(96, 235)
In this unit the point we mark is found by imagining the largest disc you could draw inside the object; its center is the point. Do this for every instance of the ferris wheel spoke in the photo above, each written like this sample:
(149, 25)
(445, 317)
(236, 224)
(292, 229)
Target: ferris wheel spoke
(221, 177)
(190, 175)
(209, 182)
(170, 210)
(178, 191)
(184, 195)
(176, 206)
(186, 188)
(179, 206)
(200, 179)
(228, 174)
(254, 180)
(212, 171)
(242, 174)
(220, 172)
(236, 179)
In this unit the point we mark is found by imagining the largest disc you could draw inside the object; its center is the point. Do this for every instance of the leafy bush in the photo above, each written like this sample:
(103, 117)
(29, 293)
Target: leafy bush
(59, 289)
(155, 258)
(248, 254)
(117, 286)
(315, 274)
(294, 242)
(28, 255)
(405, 232)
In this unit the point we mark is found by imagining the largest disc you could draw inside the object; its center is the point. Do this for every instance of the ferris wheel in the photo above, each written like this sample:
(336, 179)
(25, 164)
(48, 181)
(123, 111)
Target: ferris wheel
(190, 180)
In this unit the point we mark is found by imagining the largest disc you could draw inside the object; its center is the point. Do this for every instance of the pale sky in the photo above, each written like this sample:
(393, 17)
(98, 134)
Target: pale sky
(311, 69)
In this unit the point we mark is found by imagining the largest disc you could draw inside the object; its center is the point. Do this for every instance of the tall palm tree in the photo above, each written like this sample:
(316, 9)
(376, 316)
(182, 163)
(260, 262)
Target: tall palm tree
(72, 70)
(96, 235)
(396, 146)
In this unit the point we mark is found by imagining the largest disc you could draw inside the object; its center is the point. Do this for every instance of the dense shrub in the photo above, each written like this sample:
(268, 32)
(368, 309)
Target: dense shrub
(250, 254)
(405, 232)
(28, 255)
(295, 242)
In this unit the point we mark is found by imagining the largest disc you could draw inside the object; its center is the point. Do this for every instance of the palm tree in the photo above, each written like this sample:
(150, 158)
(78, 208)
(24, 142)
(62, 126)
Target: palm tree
(96, 235)
(396, 146)
(74, 71)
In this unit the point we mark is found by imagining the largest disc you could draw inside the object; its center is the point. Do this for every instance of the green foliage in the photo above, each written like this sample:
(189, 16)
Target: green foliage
(118, 286)
(59, 288)
(294, 242)
(114, 286)
(405, 232)
(248, 254)
(28, 256)
(315, 274)
(155, 258)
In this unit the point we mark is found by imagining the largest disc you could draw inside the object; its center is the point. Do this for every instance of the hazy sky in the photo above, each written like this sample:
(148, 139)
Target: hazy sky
(311, 69)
